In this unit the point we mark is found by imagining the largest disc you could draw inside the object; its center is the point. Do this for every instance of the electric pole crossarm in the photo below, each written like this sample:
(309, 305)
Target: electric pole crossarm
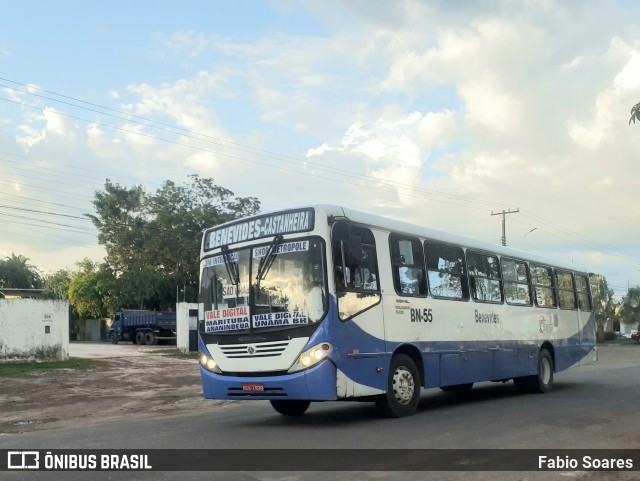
(504, 216)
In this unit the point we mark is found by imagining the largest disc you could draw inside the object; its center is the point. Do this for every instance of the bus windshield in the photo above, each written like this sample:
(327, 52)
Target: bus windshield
(274, 286)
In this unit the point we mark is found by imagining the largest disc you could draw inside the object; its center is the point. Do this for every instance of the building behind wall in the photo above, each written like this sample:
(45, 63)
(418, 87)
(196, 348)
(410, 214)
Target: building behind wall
(34, 328)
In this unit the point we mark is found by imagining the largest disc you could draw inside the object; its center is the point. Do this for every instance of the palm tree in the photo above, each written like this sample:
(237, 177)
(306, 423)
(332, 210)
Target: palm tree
(635, 113)
(17, 273)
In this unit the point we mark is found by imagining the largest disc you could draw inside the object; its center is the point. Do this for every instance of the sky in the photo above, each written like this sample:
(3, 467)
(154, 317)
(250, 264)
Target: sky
(428, 111)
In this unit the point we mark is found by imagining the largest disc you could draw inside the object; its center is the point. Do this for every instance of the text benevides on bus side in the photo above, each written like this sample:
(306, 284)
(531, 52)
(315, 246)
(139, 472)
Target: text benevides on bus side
(264, 226)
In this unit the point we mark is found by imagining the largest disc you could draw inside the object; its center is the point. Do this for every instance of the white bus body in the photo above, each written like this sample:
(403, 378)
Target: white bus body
(327, 303)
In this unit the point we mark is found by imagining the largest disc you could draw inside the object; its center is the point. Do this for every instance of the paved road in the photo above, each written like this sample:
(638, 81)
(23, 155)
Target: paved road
(590, 407)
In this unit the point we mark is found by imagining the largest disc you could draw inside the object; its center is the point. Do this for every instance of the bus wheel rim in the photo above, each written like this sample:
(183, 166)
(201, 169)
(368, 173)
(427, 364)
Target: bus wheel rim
(403, 385)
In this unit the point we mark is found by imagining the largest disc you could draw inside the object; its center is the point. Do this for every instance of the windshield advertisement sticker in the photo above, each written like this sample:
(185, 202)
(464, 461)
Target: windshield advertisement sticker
(274, 319)
(288, 247)
(231, 292)
(219, 260)
(230, 319)
(265, 226)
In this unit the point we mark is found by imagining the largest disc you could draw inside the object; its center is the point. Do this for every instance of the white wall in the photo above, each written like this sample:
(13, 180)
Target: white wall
(184, 324)
(32, 327)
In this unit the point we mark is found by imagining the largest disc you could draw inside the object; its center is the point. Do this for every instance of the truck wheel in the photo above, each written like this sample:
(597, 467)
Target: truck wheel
(114, 338)
(149, 338)
(139, 339)
(403, 389)
(290, 408)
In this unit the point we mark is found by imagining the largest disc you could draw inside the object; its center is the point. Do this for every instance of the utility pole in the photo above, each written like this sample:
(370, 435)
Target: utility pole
(504, 215)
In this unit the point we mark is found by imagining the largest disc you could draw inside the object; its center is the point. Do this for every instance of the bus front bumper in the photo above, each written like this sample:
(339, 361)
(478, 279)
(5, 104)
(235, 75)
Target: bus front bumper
(315, 384)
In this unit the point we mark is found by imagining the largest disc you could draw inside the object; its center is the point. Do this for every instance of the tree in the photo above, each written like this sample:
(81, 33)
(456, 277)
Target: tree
(630, 310)
(604, 307)
(635, 113)
(16, 273)
(153, 239)
(56, 285)
(91, 288)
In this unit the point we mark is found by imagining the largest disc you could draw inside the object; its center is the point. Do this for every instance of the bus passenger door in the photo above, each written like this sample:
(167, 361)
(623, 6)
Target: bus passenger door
(359, 332)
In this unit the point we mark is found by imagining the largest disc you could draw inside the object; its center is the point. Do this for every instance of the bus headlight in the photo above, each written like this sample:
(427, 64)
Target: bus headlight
(311, 357)
(209, 363)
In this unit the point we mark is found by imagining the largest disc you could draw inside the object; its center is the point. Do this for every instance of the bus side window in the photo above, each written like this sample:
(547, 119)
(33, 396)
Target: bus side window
(515, 276)
(543, 287)
(409, 276)
(356, 269)
(566, 290)
(484, 277)
(446, 271)
(582, 289)
(355, 262)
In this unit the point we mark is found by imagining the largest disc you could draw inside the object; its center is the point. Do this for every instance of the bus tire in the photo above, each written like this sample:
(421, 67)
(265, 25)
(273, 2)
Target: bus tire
(539, 383)
(139, 338)
(403, 388)
(149, 338)
(290, 408)
(543, 381)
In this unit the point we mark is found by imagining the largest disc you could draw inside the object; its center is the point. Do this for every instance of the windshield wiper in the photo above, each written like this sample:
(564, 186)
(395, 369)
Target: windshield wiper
(267, 260)
(232, 267)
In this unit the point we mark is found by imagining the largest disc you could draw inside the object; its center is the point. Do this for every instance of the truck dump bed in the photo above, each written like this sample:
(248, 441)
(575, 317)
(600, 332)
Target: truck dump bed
(138, 318)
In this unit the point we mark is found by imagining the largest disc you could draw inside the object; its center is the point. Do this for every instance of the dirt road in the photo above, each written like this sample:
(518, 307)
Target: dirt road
(128, 382)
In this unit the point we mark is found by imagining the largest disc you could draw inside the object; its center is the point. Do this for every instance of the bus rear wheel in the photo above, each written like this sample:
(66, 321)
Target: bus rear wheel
(541, 382)
(290, 408)
(403, 389)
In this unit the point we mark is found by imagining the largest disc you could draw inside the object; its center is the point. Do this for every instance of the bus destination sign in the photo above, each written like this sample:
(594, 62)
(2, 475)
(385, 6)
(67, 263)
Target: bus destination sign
(289, 222)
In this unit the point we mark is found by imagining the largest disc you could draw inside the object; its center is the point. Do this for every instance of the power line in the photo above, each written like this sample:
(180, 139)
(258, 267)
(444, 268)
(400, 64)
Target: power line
(228, 144)
(399, 188)
(235, 157)
(45, 212)
(74, 227)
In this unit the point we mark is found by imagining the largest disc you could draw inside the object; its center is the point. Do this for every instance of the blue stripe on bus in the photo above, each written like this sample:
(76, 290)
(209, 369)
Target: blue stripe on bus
(445, 362)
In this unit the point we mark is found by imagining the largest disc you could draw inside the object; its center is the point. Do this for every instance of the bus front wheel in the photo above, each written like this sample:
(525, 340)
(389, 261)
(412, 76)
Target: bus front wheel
(542, 381)
(290, 408)
(403, 389)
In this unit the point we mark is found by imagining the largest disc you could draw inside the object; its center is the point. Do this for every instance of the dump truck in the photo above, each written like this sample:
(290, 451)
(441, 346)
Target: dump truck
(142, 326)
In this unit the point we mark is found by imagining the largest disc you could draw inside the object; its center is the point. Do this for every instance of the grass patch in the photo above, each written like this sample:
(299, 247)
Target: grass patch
(175, 353)
(26, 367)
(621, 341)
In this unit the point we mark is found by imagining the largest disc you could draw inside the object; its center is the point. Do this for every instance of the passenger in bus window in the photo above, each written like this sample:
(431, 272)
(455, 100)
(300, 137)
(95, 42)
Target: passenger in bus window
(340, 284)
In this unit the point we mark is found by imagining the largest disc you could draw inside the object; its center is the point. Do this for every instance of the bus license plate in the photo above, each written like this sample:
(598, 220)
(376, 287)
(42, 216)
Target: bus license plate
(252, 387)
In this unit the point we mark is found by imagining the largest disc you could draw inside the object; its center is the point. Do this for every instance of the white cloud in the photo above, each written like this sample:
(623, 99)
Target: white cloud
(446, 108)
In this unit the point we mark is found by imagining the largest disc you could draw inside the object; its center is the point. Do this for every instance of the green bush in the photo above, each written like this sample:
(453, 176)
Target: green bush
(609, 336)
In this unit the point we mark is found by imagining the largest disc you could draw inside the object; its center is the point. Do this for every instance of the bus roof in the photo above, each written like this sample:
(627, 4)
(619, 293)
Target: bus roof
(401, 227)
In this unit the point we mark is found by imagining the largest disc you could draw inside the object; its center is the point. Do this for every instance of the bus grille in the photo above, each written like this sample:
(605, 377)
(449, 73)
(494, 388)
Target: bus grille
(262, 349)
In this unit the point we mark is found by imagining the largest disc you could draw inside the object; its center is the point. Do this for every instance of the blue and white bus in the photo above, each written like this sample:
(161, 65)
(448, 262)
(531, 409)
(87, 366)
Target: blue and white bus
(326, 303)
